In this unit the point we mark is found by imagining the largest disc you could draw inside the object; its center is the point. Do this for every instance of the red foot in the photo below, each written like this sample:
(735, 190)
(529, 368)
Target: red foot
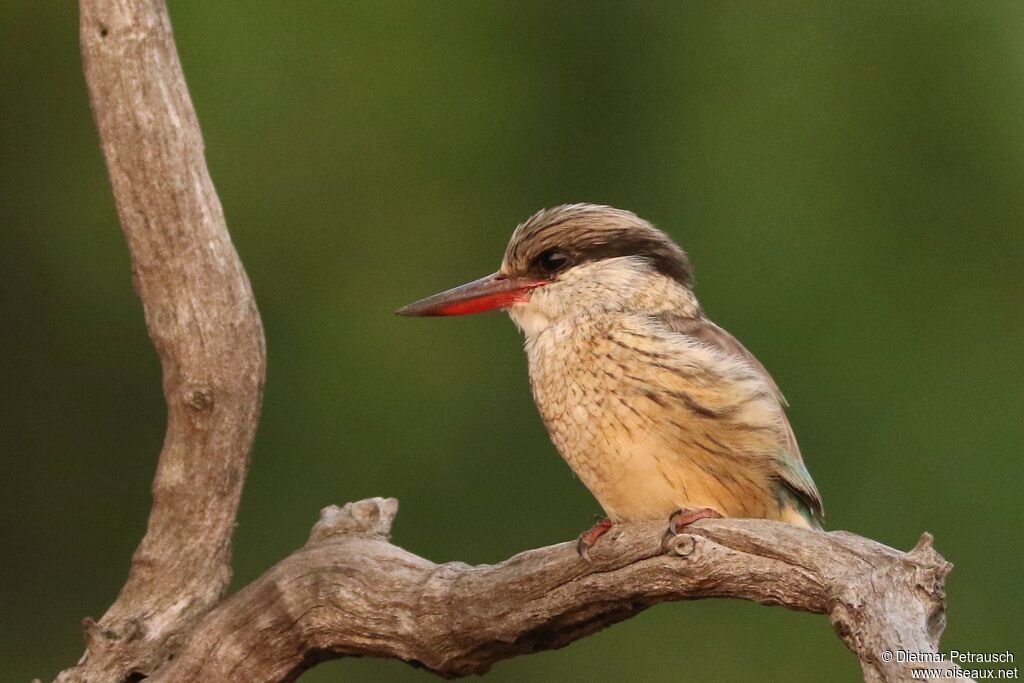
(588, 538)
(683, 517)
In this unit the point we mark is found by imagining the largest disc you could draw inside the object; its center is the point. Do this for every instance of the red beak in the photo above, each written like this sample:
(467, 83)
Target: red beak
(486, 294)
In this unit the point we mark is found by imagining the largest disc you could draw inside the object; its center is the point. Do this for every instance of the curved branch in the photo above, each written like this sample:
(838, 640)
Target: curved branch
(349, 592)
(202, 318)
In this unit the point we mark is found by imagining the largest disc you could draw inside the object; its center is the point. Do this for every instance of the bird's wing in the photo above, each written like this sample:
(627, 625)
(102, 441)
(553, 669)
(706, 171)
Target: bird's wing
(792, 470)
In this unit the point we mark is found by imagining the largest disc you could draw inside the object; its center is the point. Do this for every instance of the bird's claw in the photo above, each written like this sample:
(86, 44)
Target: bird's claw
(583, 548)
(587, 539)
(682, 518)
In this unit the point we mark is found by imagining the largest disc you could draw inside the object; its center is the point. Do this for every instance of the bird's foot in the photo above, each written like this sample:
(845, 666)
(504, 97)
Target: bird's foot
(589, 537)
(682, 518)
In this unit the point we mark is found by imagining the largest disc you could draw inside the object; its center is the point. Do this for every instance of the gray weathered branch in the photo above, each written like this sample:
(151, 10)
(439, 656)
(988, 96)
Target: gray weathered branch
(202, 318)
(349, 591)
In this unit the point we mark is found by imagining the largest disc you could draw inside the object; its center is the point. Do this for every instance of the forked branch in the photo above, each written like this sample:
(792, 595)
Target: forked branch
(349, 591)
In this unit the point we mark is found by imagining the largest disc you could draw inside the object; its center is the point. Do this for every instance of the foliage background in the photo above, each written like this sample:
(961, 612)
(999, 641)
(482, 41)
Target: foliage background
(848, 178)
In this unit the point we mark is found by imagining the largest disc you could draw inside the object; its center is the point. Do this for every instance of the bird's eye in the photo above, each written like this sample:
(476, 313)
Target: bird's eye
(552, 261)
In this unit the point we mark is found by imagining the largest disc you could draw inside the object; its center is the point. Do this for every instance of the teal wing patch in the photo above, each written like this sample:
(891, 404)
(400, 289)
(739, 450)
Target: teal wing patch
(795, 483)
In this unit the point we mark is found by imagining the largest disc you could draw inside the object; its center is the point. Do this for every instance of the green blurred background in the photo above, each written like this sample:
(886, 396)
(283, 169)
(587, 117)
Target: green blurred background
(847, 177)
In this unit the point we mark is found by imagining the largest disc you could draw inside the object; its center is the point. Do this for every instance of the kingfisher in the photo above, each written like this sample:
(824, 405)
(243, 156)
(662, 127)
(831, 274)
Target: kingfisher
(661, 413)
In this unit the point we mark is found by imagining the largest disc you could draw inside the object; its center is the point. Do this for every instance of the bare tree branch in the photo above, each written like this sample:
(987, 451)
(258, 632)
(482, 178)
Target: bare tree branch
(349, 591)
(202, 318)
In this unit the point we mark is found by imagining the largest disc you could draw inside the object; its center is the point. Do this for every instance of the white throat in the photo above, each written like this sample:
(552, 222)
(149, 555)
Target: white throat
(528, 318)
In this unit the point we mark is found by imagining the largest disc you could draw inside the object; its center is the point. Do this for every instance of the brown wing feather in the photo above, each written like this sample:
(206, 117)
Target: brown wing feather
(796, 478)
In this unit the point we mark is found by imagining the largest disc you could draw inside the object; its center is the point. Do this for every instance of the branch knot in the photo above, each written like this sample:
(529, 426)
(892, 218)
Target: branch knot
(679, 545)
(372, 516)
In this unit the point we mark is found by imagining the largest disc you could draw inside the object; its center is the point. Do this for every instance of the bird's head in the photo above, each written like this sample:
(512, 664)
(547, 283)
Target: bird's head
(575, 260)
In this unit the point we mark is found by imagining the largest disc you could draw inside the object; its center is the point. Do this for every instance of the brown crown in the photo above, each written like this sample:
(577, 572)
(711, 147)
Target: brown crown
(590, 232)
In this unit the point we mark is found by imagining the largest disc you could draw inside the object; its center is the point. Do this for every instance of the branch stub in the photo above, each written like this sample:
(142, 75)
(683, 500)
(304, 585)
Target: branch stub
(373, 516)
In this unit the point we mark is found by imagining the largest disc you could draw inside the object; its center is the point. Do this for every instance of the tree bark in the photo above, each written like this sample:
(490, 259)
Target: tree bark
(349, 591)
(203, 321)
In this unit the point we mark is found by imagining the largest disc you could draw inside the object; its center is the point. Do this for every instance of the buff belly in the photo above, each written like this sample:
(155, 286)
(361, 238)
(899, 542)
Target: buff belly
(637, 476)
(644, 454)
